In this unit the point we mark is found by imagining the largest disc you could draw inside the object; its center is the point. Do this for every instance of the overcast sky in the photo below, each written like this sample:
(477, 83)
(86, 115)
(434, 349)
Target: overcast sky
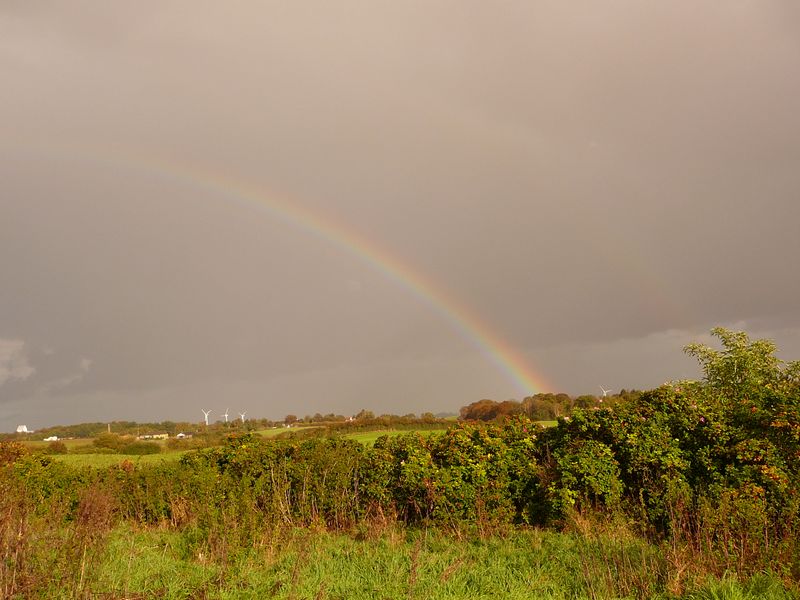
(599, 182)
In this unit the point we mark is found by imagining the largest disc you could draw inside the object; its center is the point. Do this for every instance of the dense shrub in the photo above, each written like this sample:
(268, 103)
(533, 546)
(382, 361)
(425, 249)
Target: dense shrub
(10, 452)
(299, 483)
(587, 476)
(472, 473)
(191, 443)
(56, 447)
(111, 441)
(140, 448)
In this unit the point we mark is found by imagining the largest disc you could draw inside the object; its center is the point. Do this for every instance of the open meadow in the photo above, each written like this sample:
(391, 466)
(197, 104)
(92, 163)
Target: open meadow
(414, 565)
(368, 437)
(71, 444)
(102, 461)
(277, 431)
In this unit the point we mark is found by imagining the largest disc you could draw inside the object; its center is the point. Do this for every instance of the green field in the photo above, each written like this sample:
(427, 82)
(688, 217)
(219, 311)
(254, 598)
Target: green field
(107, 460)
(70, 444)
(274, 432)
(413, 565)
(337, 566)
(369, 437)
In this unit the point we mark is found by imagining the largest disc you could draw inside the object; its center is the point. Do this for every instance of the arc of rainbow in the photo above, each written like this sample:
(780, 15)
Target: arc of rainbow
(464, 320)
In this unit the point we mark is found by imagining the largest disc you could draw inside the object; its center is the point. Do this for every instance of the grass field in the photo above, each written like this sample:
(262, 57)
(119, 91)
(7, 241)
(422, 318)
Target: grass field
(70, 444)
(369, 437)
(268, 433)
(107, 460)
(335, 567)
(412, 565)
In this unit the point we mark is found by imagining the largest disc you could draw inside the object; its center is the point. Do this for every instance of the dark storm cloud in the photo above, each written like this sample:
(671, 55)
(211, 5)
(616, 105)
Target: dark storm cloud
(601, 183)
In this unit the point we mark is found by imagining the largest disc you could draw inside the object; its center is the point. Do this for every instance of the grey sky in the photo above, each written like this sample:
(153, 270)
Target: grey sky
(601, 182)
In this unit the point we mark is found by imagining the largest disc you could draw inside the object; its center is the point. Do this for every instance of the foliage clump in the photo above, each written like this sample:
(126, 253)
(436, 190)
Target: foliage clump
(57, 447)
(119, 444)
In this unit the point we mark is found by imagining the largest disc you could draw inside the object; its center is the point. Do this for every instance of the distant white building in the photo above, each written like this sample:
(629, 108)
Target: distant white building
(183, 436)
(23, 429)
(52, 438)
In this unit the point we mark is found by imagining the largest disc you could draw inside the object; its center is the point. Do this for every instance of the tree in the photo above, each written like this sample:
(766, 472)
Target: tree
(289, 419)
(112, 441)
(489, 410)
(56, 447)
(482, 410)
(586, 401)
(743, 368)
(540, 407)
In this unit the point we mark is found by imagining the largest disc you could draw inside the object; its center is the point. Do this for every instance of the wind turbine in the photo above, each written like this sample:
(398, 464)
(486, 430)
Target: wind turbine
(241, 415)
(605, 391)
(205, 414)
(226, 415)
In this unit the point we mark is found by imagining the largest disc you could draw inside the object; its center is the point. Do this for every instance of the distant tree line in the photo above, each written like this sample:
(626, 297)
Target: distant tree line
(215, 431)
(541, 407)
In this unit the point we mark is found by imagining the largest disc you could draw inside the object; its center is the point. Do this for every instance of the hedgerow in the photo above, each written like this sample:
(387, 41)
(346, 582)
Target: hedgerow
(714, 465)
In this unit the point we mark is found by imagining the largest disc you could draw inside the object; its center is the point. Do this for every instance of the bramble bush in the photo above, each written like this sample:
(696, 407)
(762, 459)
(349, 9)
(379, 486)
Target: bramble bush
(56, 447)
(714, 463)
(10, 452)
(473, 473)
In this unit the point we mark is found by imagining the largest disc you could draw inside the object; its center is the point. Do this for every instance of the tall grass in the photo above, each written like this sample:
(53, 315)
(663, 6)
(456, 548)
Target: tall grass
(418, 564)
(47, 554)
(42, 552)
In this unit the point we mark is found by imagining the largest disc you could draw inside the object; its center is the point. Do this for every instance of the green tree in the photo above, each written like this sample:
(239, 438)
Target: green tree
(744, 369)
(111, 441)
(56, 447)
(586, 401)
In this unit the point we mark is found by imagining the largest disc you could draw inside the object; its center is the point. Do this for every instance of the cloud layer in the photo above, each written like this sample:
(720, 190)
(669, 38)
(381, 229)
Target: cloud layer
(14, 363)
(599, 183)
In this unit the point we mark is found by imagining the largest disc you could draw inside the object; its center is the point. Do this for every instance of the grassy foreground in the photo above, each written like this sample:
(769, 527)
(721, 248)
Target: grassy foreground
(418, 564)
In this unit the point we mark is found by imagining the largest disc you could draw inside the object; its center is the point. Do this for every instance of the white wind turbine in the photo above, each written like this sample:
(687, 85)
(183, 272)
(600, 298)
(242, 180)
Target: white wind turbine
(241, 416)
(205, 414)
(605, 391)
(226, 415)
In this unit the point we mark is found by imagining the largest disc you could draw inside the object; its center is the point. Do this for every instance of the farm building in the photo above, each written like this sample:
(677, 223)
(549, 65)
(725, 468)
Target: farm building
(154, 436)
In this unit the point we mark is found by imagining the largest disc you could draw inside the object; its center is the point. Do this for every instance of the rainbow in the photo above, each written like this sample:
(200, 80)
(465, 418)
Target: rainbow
(465, 321)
